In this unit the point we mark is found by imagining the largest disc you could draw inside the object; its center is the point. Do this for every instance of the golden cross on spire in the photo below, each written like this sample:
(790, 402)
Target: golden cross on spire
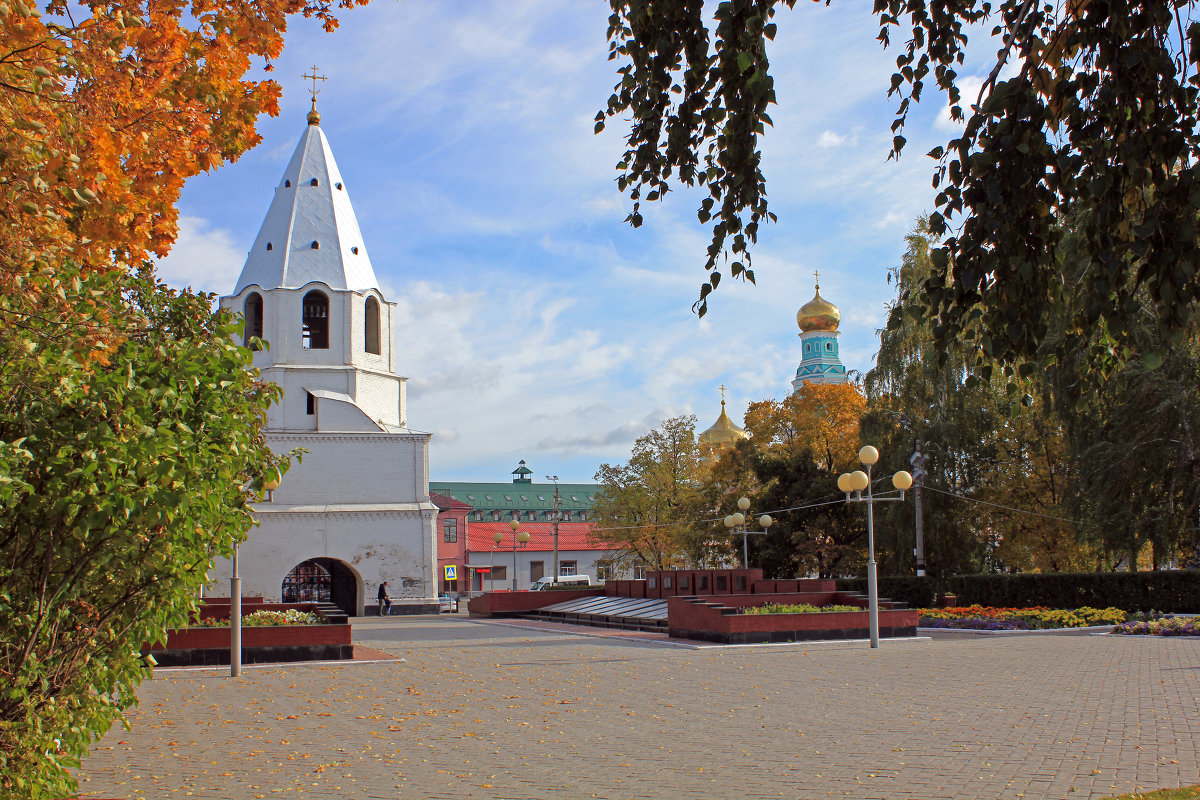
(314, 118)
(817, 278)
(722, 388)
(314, 77)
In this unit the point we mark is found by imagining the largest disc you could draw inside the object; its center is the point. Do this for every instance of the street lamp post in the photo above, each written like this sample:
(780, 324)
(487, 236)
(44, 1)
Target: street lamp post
(518, 536)
(919, 459)
(855, 482)
(736, 523)
(235, 597)
(555, 524)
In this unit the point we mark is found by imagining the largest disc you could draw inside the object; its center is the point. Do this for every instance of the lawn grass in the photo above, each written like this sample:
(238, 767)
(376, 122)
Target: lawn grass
(1186, 793)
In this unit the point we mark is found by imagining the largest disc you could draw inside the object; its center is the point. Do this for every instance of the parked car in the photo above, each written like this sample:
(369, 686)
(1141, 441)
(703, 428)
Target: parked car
(578, 581)
(448, 603)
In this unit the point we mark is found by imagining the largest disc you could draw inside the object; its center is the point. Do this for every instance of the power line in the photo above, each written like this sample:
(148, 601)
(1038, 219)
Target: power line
(999, 505)
(1020, 510)
(715, 519)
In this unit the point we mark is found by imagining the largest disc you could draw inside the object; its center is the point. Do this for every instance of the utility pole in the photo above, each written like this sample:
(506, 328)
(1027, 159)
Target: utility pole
(555, 524)
(918, 461)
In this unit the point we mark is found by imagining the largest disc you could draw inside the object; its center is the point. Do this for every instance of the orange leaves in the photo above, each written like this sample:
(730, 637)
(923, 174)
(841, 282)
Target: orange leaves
(107, 115)
(823, 418)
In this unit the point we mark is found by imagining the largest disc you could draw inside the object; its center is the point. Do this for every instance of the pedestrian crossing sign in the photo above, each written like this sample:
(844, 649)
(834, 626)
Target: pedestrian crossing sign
(451, 572)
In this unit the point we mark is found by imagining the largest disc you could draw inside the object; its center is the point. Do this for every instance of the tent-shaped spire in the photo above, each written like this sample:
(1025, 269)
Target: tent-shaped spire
(310, 232)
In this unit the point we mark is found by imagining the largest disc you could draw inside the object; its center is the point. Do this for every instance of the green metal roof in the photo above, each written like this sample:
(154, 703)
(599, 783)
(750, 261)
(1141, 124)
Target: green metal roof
(518, 496)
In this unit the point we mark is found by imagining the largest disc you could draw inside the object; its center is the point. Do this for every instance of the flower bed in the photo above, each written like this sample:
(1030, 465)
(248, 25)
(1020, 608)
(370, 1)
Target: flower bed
(263, 619)
(1162, 626)
(796, 608)
(1009, 619)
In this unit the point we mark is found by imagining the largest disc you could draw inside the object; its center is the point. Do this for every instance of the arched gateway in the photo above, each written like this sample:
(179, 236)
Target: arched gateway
(322, 580)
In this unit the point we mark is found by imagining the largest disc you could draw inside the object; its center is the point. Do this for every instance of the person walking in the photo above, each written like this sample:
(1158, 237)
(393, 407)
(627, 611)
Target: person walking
(385, 602)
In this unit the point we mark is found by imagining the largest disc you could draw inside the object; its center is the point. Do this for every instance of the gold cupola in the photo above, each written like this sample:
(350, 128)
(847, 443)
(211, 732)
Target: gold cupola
(818, 314)
(723, 433)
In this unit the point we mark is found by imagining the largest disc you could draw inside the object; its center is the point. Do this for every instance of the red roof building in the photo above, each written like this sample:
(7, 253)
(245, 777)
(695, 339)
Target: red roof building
(471, 514)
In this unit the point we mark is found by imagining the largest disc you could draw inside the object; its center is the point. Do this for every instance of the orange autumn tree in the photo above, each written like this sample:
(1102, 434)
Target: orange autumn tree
(105, 110)
(822, 418)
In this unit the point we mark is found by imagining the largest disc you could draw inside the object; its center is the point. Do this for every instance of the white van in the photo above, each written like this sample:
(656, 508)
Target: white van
(542, 584)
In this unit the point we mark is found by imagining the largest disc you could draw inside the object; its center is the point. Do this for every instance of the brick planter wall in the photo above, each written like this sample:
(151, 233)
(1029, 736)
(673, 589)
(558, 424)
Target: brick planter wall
(716, 620)
(194, 647)
(512, 604)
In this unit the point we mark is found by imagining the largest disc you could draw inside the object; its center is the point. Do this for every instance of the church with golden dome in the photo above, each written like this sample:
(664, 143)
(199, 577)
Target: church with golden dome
(721, 435)
(818, 320)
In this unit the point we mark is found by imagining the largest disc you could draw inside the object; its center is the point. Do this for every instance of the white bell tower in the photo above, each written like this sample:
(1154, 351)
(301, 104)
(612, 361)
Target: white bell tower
(355, 510)
(308, 289)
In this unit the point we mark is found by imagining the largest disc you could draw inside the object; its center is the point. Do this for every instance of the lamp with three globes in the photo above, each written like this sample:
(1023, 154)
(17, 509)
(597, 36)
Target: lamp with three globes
(854, 483)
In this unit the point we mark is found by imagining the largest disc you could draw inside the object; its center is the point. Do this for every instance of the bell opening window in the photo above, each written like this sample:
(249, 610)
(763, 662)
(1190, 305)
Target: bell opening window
(372, 326)
(313, 182)
(254, 319)
(268, 245)
(287, 184)
(316, 245)
(315, 321)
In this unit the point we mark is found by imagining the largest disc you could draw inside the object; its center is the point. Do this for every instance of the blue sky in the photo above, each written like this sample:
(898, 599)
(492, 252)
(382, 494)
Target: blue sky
(534, 323)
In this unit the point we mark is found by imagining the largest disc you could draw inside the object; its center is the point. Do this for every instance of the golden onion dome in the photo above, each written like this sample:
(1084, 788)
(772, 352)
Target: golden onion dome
(722, 432)
(818, 314)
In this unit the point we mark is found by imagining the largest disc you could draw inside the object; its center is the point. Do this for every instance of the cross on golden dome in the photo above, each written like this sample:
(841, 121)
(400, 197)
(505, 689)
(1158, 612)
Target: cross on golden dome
(313, 116)
(818, 314)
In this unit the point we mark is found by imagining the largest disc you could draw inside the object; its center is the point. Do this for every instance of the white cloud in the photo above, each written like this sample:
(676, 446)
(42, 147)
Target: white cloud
(969, 92)
(203, 257)
(829, 139)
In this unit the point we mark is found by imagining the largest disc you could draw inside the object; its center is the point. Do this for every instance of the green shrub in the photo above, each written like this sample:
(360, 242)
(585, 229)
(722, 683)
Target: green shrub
(1166, 590)
(1174, 590)
(910, 590)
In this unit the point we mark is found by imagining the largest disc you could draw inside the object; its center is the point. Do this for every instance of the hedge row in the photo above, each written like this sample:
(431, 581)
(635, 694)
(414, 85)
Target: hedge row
(1174, 590)
(914, 592)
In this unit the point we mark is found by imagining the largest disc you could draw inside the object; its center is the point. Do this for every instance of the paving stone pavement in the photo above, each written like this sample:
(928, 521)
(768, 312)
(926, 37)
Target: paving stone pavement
(481, 710)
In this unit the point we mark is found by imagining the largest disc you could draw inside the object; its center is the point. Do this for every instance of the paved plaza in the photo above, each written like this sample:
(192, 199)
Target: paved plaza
(484, 710)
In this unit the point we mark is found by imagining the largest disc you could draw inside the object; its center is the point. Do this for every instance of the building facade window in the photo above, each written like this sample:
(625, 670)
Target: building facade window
(499, 573)
(310, 403)
(372, 325)
(253, 319)
(537, 570)
(450, 530)
(568, 567)
(315, 321)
